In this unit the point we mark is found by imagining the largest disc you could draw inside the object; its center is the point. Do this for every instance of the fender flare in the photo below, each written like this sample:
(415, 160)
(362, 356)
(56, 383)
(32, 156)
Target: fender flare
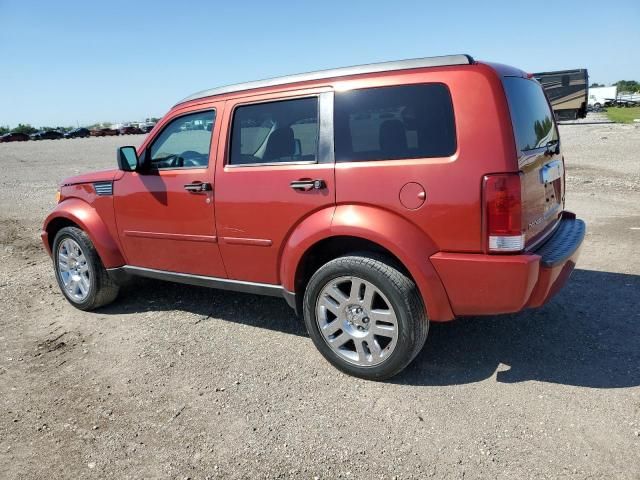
(88, 219)
(397, 235)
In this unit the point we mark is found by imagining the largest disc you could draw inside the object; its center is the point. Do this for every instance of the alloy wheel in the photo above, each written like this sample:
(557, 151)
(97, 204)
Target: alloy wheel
(73, 270)
(357, 321)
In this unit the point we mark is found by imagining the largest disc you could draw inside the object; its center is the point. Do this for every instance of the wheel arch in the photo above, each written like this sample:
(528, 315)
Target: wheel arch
(53, 226)
(78, 213)
(359, 228)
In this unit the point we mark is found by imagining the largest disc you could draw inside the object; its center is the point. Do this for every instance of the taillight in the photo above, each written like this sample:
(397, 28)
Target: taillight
(503, 212)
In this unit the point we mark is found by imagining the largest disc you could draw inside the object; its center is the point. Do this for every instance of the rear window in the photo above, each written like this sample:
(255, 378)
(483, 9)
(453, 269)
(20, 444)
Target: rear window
(388, 123)
(531, 116)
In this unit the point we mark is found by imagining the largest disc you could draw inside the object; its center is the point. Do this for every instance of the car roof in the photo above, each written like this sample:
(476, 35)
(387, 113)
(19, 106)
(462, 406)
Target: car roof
(441, 61)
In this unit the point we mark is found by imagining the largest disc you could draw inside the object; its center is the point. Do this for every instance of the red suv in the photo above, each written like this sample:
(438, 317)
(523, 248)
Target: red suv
(374, 199)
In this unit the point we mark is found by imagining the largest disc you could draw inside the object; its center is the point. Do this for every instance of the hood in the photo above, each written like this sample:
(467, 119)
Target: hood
(101, 176)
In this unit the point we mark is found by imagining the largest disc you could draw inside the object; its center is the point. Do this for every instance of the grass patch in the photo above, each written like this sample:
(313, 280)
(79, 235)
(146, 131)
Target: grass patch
(623, 114)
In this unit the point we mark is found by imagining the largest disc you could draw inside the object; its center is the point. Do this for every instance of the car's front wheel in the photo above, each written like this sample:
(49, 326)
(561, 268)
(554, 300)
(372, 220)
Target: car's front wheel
(79, 270)
(365, 316)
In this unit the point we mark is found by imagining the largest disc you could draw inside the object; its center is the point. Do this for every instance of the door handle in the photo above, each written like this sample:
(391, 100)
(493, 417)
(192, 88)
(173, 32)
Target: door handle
(196, 187)
(306, 185)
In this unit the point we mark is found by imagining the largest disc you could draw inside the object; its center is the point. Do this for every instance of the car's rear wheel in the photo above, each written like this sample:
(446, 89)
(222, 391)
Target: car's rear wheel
(365, 316)
(79, 271)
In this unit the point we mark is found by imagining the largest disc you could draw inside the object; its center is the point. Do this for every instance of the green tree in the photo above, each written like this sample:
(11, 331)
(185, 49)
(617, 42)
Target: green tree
(627, 86)
(24, 128)
(4, 130)
(595, 85)
(542, 129)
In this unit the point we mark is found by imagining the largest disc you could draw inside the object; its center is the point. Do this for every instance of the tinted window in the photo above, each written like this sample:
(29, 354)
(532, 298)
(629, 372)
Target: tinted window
(531, 116)
(184, 142)
(285, 131)
(413, 121)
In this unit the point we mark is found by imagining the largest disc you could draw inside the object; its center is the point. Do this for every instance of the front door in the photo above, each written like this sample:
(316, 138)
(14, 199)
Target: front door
(165, 212)
(275, 170)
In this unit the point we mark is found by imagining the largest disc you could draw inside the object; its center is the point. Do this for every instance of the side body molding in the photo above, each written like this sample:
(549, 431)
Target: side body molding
(412, 247)
(88, 219)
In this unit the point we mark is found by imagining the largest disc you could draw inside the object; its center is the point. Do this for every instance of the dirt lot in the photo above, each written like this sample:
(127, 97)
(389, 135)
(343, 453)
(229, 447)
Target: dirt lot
(183, 382)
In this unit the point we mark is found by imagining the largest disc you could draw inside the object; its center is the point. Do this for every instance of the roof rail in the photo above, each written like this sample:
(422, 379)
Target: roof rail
(336, 72)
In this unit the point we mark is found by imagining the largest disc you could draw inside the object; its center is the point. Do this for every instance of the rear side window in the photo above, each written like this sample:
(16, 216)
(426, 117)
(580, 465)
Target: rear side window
(275, 132)
(388, 123)
(532, 119)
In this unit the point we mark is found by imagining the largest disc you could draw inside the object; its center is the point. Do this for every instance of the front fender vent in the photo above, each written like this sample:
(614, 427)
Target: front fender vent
(103, 188)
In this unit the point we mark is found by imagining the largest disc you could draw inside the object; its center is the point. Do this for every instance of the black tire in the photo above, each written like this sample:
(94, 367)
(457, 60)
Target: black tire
(400, 290)
(102, 289)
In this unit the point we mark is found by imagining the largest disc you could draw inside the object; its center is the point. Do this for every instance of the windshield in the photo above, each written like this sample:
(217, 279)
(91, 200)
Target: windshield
(532, 119)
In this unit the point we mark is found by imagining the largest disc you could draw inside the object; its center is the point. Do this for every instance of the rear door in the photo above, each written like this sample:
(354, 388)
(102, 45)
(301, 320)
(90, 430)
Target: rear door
(539, 159)
(276, 168)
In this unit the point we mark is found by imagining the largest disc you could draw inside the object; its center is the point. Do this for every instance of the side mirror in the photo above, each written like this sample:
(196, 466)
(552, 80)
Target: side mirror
(128, 160)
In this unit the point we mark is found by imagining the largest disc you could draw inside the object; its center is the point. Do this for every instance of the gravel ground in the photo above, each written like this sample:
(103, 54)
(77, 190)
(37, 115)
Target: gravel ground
(184, 382)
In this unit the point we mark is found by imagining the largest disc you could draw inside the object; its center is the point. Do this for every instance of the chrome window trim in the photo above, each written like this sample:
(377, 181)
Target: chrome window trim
(269, 164)
(441, 61)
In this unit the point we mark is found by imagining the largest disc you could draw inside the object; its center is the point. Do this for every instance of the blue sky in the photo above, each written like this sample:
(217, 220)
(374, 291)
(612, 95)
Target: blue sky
(69, 62)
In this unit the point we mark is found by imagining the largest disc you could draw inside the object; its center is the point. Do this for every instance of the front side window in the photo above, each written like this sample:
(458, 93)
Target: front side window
(275, 132)
(532, 119)
(389, 123)
(184, 142)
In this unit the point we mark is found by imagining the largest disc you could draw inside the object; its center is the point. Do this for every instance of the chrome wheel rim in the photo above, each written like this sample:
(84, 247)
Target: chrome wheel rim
(357, 321)
(73, 270)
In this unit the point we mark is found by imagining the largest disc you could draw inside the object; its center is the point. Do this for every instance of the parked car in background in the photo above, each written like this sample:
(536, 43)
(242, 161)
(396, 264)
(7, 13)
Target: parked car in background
(14, 137)
(627, 99)
(130, 130)
(77, 133)
(147, 127)
(104, 132)
(47, 135)
(370, 198)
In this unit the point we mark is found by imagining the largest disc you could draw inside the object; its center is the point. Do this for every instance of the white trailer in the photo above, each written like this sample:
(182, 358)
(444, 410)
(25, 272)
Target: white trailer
(599, 96)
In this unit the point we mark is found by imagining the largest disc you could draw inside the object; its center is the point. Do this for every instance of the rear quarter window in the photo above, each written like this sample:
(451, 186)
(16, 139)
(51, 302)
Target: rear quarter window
(532, 119)
(389, 123)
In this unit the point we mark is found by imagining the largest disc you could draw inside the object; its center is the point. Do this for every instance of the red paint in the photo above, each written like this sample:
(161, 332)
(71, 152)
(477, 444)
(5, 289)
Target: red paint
(479, 284)
(185, 222)
(258, 242)
(257, 202)
(412, 195)
(94, 215)
(171, 236)
(254, 227)
(157, 202)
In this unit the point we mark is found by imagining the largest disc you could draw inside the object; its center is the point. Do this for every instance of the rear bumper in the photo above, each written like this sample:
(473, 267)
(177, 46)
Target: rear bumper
(478, 284)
